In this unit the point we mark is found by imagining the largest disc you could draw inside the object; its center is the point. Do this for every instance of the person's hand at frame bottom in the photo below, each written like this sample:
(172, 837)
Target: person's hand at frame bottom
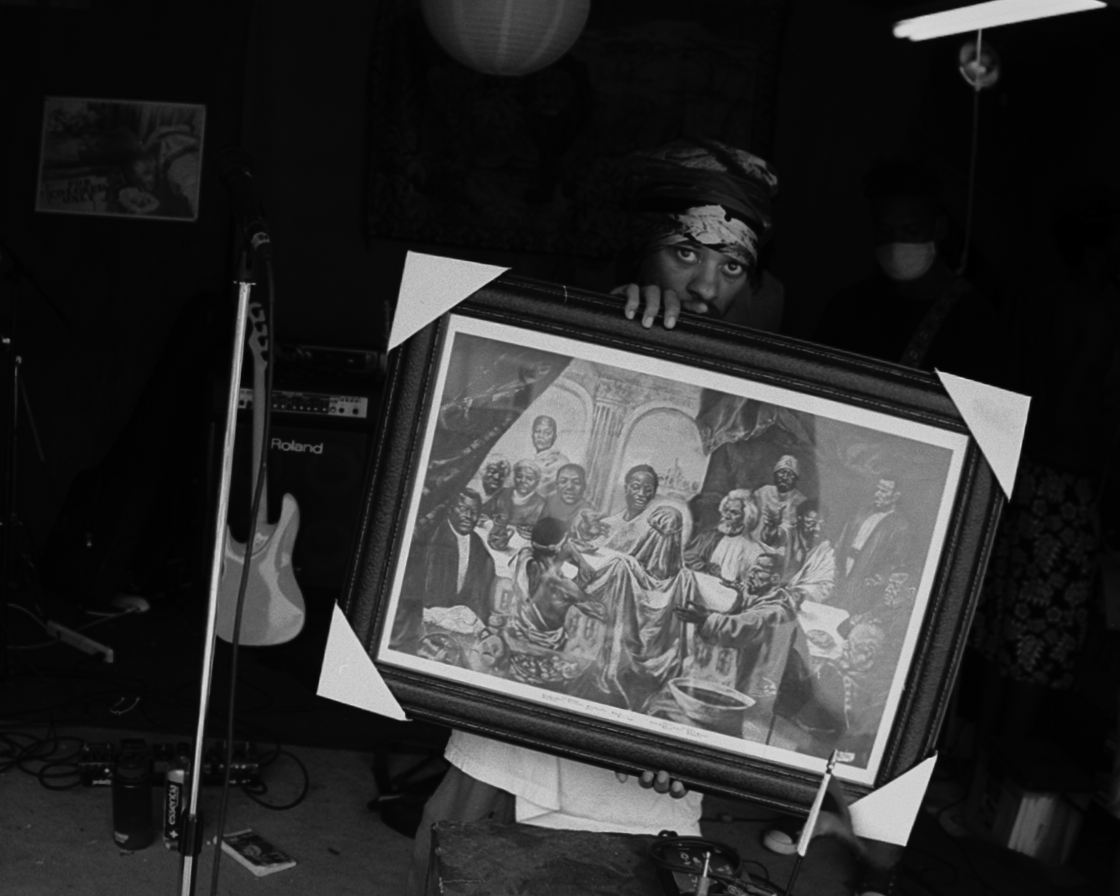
(659, 781)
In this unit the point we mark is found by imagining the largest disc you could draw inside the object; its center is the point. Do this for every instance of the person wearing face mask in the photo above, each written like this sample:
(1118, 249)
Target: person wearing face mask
(916, 309)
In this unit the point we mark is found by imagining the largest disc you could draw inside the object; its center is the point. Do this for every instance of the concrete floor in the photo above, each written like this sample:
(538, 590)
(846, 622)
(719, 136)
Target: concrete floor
(60, 841)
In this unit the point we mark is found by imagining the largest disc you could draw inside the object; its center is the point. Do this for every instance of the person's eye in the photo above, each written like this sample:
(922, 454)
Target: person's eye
(734, 269)
(684, 253)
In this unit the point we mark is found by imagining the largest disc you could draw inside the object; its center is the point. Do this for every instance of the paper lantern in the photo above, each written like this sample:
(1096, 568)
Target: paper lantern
(506, 37)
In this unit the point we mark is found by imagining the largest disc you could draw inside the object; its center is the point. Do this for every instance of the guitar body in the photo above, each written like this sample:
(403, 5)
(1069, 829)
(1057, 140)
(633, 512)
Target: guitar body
(273, 611)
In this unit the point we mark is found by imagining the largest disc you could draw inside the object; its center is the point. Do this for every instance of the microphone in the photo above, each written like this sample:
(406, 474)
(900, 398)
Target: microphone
(235, 167)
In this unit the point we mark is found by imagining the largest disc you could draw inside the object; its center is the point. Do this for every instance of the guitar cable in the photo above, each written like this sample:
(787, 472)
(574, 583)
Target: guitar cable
(258, 492)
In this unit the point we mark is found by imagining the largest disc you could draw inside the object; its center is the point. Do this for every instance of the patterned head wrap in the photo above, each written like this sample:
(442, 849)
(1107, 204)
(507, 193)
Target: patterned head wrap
(788, 462)
(702, 191)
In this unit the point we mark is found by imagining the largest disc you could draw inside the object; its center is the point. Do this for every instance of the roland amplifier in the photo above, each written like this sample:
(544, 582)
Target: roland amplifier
(318, 448)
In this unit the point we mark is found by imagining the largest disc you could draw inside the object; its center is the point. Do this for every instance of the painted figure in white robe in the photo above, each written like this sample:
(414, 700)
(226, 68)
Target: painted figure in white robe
(643, 645)
(811, 564)
(629, 525)
(728, 551)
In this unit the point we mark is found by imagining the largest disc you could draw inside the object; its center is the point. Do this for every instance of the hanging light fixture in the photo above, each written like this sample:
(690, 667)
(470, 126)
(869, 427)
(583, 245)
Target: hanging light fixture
(505, 37)
(975, 16)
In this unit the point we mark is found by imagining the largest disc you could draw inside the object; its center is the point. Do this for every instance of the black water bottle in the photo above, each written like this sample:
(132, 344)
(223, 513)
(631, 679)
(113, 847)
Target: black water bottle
(133, 819)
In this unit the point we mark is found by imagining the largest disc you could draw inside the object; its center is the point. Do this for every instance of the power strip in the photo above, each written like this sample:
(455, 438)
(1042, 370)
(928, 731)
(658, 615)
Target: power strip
(80, 641)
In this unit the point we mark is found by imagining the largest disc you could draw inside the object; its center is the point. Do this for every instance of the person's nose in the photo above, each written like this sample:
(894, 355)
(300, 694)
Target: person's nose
(704, 282)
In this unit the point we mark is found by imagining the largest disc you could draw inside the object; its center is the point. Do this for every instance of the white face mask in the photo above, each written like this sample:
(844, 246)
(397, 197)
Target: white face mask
(906, 261)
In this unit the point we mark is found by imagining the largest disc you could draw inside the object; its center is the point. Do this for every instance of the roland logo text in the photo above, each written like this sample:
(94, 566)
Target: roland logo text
(279, 444)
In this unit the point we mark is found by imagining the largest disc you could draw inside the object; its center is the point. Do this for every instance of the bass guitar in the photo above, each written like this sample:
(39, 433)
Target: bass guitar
(273, 611)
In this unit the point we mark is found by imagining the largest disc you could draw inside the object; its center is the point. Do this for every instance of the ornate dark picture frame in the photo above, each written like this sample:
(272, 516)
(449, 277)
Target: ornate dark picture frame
(850, 640)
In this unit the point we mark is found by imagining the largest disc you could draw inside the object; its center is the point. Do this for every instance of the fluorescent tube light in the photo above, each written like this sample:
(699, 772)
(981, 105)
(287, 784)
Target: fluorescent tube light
(988, 15)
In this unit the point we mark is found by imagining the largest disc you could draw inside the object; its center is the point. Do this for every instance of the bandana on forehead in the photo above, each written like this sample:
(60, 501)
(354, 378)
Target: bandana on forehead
(708, 225)
(702, 191)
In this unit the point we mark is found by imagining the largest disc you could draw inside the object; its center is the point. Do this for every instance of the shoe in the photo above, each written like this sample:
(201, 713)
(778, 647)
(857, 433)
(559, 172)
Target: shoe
(782, 838)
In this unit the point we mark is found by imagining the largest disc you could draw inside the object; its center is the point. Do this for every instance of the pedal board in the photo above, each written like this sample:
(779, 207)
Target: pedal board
(98, 759)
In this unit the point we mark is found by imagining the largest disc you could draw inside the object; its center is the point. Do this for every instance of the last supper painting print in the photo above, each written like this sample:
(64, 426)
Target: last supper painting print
(700, 556)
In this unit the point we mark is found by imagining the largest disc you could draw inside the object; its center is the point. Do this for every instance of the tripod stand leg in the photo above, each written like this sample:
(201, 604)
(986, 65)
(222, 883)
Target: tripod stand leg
(30, 417)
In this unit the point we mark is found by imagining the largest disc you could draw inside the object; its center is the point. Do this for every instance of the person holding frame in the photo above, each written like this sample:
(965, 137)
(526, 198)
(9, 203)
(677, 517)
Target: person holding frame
(700, 213)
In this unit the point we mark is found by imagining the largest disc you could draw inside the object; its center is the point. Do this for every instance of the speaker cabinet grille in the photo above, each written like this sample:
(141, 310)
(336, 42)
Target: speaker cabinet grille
(323, 467)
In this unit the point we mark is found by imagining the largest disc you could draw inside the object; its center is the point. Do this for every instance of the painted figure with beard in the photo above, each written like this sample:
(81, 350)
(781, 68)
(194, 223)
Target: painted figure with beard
(811, 563)
(548, 457)
(516, 508)
(873, 544)
(762, 627)
(728, 551)
(629, 525)
(568, 498)
(777, 506)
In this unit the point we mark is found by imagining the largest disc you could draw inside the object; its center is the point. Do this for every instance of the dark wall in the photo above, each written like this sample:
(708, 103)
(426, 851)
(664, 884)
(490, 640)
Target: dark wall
(848, 92)
(111, 289)
(306, 126)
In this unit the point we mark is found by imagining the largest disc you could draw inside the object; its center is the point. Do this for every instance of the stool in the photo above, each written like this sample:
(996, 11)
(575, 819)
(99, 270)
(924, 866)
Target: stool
(486, 858)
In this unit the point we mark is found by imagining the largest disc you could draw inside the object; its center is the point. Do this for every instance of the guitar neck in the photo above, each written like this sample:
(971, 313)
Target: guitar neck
(258, 345)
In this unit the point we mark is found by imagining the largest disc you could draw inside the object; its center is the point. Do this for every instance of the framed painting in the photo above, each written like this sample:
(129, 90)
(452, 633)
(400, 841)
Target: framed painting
(707, 550)
(121, 158)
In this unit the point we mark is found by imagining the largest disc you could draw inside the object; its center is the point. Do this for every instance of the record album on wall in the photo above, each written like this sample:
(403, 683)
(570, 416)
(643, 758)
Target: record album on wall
(121, 158)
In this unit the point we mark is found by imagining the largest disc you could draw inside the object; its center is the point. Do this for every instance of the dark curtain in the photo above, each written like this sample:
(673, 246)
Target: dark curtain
(744, 439)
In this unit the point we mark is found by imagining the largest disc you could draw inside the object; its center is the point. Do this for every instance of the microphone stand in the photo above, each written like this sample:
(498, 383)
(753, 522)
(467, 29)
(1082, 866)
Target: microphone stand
(191, 843)
(14, 273)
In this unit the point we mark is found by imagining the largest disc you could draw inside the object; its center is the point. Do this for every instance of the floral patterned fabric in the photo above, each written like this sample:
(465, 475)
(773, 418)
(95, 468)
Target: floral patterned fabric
(1035, 606)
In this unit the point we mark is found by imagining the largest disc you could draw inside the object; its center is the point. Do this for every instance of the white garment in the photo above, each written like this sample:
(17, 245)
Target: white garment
(735, 555)
(625, 534)
(817, 577)
(553, 792)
